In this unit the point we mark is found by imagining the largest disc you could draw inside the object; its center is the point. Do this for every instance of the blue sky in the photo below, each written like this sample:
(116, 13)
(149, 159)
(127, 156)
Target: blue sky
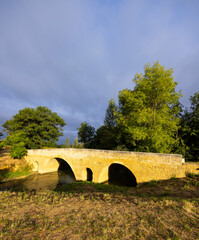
(73, 56)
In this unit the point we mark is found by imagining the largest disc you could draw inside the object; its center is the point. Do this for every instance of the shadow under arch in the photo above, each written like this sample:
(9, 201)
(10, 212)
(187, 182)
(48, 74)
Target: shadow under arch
(65, 171)
(120, 175)
(89, 174)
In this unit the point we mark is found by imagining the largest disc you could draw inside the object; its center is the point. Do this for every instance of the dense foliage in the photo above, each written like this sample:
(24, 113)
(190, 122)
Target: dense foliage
(190, 129)
(110, 120)
(106, 135)
(86, 134)
(32, 128)
(148, 115)
(148, 118)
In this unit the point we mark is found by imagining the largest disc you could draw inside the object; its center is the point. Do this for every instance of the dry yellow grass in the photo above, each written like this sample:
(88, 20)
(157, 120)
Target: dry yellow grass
(94, 211)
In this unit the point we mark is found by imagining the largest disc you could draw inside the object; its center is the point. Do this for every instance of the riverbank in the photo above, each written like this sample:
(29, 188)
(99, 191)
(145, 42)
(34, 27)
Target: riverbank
(154, 210)
(12, 168)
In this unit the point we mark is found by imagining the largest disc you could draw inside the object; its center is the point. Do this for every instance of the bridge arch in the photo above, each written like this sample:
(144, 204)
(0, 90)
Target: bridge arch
(65, 167)
(120, 175)
(89, 174)
(59, 164)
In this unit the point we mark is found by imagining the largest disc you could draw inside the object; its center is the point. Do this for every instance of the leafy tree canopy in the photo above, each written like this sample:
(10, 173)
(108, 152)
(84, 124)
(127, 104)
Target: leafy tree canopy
(33, 128)
(109, 119)
(190, 129)
(86, 133)
(148, 115)
(105, 138)
(106, 135)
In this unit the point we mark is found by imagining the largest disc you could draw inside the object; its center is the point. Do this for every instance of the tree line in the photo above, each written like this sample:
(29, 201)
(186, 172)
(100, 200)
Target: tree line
(147, 118)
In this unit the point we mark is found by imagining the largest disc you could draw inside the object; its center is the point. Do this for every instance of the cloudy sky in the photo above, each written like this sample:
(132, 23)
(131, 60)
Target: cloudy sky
(73, 56)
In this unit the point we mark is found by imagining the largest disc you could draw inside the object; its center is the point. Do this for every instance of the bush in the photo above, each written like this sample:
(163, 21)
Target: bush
(18, 150)
(121, 148)
(190, 174)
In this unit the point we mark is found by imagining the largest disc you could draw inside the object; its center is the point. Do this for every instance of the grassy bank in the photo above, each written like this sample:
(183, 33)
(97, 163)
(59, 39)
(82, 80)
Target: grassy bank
(154, 210)
(11, 172)
(6, 174)
(12, 168)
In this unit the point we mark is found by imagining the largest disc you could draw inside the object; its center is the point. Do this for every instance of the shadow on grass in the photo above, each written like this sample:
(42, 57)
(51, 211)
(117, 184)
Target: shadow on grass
(174, 188)
(81, 187)
(182, 188)
(4, 173)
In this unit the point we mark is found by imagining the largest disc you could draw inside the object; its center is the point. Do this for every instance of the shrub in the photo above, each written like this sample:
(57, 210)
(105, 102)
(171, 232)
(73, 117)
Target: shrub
(190, 175)
(18, 150)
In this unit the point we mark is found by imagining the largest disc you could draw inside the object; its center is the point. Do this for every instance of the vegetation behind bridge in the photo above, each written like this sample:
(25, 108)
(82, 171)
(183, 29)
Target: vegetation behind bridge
(148, 118)
(31, 129)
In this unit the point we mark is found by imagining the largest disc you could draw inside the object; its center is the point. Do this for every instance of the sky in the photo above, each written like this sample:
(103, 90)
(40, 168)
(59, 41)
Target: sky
(73, 56)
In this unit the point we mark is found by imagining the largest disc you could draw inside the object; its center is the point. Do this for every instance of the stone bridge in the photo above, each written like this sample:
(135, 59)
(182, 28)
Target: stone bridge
(102, 165)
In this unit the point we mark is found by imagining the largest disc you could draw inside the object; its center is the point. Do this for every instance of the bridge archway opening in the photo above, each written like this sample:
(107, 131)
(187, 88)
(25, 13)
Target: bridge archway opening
(120, 175)
(89, 174)
(65, 168)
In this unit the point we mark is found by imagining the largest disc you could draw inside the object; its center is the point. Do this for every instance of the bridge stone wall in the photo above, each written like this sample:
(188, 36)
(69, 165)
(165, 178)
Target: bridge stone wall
(145, 166)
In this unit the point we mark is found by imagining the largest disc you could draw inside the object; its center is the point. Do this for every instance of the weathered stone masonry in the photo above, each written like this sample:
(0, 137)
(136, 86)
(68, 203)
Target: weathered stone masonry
(145, 166)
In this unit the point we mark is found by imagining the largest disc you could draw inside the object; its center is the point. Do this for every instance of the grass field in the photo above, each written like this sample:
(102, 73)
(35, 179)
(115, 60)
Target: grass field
(154, 210)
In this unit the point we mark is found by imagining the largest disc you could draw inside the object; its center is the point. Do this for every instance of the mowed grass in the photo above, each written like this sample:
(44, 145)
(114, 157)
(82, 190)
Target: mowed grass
(154, 210)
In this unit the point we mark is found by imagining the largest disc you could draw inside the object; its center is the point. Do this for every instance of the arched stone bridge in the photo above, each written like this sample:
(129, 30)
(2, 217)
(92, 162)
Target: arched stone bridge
(96, 165)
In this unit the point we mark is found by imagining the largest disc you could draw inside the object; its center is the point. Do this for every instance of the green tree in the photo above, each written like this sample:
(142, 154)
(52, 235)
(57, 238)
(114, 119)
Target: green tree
(110, 120)
(32, 128)
(105, 138)
(67, 143)
(17, 142)
(190, 129)
(148, 115)
(81, 145)
(106, 135)
(1, 134)
(86, 134)
(76, 143)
